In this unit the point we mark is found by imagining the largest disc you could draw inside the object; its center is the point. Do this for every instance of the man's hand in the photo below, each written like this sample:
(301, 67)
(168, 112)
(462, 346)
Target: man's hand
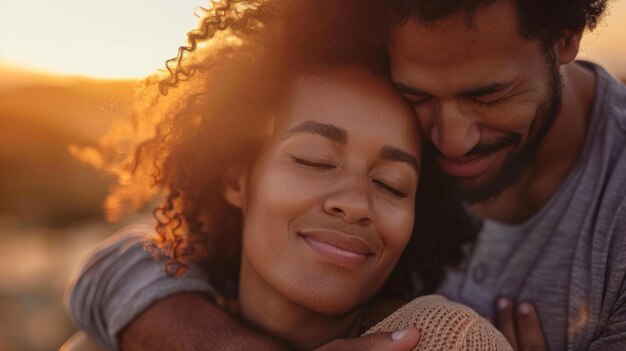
(403, 340)
(520, 325)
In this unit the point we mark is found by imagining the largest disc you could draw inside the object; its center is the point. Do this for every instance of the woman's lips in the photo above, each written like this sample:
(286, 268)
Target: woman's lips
(338, 247)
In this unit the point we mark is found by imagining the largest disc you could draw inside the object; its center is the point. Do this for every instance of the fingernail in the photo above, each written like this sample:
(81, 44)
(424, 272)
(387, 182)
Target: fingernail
(502, 303)
(397, 335)
(523, 308)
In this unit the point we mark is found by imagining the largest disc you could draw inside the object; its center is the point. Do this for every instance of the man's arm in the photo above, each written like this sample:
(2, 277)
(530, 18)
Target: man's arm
(122, 295)
(189, 321)
(119, 281)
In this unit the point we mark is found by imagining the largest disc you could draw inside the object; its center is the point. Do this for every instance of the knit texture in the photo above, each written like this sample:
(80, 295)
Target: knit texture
(444, 325)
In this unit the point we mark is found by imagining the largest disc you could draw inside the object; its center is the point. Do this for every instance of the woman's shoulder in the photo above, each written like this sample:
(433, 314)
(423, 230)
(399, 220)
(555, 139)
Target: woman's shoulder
(444, 325)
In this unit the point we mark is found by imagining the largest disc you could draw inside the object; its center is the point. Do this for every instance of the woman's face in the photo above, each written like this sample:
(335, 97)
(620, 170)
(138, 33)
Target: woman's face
(328, 205)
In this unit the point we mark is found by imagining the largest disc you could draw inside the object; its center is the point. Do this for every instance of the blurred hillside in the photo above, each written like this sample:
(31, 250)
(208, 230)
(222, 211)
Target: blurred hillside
(50, 212)
(40, 116)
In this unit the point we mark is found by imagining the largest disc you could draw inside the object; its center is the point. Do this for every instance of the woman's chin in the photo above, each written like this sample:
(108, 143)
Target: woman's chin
(330, 303)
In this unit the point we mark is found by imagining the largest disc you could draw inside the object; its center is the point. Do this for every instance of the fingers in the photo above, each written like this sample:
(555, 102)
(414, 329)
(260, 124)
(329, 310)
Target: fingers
(529, 332)
(520, 325)
(505, 320)
(403, 340)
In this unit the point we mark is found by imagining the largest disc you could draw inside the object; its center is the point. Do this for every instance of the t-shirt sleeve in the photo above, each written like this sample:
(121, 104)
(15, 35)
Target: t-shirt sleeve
(613, 334)
(119, 280)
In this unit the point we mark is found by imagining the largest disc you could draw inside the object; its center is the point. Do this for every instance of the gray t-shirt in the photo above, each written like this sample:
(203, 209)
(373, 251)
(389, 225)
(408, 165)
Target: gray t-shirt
(119, 281)
(569, 259)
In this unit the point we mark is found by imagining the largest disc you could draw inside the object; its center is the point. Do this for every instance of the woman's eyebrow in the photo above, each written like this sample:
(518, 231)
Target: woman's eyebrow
(392, 153)
(329, 131)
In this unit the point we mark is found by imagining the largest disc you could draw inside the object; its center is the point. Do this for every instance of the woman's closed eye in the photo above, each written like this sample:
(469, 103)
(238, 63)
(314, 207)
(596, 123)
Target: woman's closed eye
(320, 166)
(391, 190)
(325, 167)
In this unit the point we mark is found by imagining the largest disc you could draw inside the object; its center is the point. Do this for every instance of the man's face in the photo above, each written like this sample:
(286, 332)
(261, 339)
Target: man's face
(484, 95)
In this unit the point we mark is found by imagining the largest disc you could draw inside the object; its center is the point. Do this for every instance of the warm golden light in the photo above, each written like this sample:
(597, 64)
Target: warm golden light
(103, 39)
(607, 44)
(128, 39)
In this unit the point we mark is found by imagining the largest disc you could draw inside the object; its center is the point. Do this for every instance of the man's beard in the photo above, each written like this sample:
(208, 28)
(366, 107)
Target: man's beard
(512, 168)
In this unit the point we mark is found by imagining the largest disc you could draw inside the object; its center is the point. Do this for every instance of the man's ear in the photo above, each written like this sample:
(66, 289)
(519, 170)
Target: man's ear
(567, 46)
(234, 186)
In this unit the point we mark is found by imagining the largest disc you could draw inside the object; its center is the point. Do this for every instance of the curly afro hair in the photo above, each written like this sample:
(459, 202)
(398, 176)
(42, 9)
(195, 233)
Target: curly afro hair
(208, 109)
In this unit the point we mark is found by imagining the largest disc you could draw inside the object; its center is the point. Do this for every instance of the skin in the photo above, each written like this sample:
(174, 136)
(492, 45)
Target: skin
(328, 206)
(193, 323)
(474, 84)
(444, 61)
(520, 324)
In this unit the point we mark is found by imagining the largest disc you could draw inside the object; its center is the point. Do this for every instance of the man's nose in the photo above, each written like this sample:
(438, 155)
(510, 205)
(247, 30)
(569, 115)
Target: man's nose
(453, 132)
(350, 201)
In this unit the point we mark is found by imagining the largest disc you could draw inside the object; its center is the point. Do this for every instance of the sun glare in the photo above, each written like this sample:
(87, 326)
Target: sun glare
(130, 39)
(100, 38)
(607, 44)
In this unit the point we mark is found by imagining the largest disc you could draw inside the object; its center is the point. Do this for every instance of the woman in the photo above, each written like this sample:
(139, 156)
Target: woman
(290, 165)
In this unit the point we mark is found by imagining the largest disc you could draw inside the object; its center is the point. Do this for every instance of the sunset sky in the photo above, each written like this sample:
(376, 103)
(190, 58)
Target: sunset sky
(131, 38)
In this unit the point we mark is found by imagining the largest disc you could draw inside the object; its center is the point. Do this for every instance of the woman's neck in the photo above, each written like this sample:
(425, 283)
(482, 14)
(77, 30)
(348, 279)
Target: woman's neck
(271, 312)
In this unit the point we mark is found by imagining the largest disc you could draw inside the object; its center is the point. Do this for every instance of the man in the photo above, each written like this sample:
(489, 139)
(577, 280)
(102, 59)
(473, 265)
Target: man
(534, 141)
(527, 137)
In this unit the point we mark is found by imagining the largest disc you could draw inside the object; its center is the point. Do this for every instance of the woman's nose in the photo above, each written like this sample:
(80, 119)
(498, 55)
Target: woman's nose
(352, 203)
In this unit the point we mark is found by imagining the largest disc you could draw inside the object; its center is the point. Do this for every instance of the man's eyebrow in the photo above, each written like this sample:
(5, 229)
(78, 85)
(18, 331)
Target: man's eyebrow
(485, 90)
(329, 131)
(473, 92)
(409, 91)
(392, 153)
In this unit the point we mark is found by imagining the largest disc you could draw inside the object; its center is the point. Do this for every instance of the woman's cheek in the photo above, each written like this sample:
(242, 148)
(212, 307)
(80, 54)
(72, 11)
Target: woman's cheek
(287, 188)
(395, 222)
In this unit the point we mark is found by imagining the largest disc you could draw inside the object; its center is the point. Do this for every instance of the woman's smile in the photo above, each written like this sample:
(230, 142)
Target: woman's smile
(338, 247)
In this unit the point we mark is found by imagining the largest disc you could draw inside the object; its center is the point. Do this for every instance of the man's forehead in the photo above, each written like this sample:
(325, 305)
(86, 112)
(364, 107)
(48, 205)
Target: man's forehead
(460, 21)
(438, 43)
(431, 11)
(462, 66)
(495, 23)
(449, 52)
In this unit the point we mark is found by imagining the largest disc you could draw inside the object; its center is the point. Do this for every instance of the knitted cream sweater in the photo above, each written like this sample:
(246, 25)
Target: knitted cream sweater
(444, 325)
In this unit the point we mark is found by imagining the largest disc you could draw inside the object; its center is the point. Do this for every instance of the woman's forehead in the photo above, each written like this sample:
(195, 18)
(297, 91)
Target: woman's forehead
(351, 99)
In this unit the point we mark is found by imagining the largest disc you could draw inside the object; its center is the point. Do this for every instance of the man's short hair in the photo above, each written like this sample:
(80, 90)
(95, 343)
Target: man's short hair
(545, 20)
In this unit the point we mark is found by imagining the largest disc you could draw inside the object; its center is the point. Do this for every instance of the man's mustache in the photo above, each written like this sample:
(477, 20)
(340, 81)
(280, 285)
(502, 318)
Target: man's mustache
(484, 148)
